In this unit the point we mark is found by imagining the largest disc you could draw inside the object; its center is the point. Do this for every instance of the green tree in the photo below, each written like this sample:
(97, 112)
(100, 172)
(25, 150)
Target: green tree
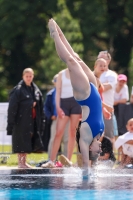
(23, 27)
(120, 30)
(92, 20)
(106, 25)
(51, 63)
(25, 40)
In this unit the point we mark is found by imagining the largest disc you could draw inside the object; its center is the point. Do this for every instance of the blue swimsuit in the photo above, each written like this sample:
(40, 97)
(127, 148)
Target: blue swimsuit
(95, 117)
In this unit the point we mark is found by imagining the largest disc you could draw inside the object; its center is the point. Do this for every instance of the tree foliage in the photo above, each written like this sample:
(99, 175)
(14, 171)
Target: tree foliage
(90, 26)
(106, 25)
(50, 61)
(23, 27)
(25, 40)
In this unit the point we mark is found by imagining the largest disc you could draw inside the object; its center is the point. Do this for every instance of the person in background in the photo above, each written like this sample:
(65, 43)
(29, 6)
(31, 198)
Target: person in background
(125, 142)
(51, 116)
(107, 156)
(99, 68)
(108, 79)
(121, 96)
(67, 110)
(25, 121)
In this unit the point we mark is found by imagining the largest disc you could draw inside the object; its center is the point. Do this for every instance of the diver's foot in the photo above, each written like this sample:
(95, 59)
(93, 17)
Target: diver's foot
(25, 166)
(52, 27)
(58, 28)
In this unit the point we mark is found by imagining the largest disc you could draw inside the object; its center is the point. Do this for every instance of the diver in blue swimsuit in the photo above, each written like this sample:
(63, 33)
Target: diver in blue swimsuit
(85, 92)
(95, 105)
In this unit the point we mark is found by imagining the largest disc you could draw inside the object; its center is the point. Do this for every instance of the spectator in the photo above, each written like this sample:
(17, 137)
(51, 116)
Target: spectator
(121, 96)
(67, 109)
(99, 68)
(106, 156)
(51, 117)
(25, 118)
(108, 79)
(125, 142)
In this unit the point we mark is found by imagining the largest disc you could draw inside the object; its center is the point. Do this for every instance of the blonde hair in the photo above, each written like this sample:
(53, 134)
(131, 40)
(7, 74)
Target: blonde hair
(108, 55)
(99, 59)
(27, 70)
(54, 78)
(130, 120)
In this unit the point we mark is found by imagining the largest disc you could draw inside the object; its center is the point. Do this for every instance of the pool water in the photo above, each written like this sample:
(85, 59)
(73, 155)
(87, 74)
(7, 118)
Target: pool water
(65, 184)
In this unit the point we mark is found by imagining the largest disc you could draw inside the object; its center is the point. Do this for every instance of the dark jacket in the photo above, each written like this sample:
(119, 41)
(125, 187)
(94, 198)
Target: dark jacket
(20, 123)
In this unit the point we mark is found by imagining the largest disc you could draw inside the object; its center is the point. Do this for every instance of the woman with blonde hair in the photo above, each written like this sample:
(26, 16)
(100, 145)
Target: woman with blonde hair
(25, 118)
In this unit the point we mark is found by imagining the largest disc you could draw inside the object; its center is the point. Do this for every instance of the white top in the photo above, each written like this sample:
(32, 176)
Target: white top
(4, 138)
(109, 77)
(123, 139)
(66, 88)
(123, 94)
(128, 149)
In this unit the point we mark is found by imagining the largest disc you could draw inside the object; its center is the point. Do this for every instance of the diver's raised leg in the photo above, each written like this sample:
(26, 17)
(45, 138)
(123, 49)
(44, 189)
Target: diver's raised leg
(86, 69)
(81, 87)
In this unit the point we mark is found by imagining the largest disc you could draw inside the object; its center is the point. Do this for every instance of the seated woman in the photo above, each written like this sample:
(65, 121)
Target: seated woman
(86, 94)
(125, 143)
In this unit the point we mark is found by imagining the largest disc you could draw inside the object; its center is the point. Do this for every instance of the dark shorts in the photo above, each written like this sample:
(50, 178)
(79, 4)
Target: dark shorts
(70, 106)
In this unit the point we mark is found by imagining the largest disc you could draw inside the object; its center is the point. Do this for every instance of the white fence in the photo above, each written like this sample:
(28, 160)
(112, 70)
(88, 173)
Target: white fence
(4, 138)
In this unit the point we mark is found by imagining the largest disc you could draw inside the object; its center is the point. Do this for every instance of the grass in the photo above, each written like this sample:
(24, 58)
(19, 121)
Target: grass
(32, 158)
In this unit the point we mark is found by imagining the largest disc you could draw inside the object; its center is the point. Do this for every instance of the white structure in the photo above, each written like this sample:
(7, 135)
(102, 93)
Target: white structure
(4, 138)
